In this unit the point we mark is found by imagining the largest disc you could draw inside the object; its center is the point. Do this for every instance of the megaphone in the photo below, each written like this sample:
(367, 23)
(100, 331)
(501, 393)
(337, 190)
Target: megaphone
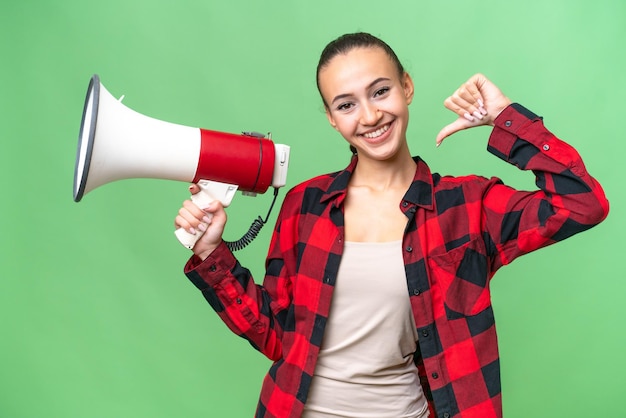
(118, 143)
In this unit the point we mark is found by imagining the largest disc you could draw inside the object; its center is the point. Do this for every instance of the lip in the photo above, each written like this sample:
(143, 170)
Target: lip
(380, 138)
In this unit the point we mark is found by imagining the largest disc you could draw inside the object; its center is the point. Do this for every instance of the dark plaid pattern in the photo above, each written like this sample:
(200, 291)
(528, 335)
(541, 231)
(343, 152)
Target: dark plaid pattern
(460, 230)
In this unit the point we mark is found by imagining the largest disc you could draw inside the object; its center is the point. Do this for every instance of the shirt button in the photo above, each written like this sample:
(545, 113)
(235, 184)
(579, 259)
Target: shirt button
(546, 147)
(238, 300)
(213, 267)
(424, 333)
(446, 415)
(508, 123)
(405, 204)
(416, 292)
(435, 375)
(409, 248)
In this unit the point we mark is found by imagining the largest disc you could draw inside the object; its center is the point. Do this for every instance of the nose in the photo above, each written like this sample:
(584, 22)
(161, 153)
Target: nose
(370, 115)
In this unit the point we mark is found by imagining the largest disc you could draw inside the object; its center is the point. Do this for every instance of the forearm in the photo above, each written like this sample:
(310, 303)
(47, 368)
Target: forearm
(232, 293)
(568, 200)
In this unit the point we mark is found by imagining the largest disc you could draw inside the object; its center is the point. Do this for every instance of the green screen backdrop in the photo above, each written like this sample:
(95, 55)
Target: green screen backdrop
(97, 319)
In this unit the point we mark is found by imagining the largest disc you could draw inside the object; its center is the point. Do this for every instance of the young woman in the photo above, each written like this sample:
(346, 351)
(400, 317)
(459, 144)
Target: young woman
(376, 297)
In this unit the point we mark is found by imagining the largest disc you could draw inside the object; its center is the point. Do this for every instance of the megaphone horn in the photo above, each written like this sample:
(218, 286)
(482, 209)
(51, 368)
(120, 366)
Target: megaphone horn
(118, 143)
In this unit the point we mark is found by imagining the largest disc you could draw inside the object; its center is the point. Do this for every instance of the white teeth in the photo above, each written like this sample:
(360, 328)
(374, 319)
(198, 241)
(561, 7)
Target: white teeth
(377, 132)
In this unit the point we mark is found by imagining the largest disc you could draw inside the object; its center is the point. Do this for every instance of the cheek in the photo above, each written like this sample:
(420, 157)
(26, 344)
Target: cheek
(337, 121)
(402, 107)
(345, 125)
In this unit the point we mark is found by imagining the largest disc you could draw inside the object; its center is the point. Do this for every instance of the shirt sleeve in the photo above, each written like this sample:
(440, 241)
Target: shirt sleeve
(252, 311)
(568, 199)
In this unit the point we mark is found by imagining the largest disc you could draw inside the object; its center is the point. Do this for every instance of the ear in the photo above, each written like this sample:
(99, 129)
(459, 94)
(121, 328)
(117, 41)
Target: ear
(409, 88)
(330, 118)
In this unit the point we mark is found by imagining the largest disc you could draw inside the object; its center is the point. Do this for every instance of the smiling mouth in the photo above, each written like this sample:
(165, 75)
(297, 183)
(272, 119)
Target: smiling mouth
(378, 132)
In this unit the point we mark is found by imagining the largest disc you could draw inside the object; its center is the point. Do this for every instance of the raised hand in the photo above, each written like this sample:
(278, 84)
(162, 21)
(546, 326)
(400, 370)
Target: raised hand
(477, 102)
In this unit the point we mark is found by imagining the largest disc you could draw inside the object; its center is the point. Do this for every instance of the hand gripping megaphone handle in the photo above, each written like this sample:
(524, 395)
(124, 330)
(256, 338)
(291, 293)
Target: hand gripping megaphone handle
(209, 192)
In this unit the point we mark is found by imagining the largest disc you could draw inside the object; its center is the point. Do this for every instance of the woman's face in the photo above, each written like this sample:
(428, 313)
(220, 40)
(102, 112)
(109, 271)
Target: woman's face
(367, 101)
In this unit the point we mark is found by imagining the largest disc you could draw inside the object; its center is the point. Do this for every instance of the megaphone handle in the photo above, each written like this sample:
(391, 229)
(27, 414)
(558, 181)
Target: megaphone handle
(187, 239)
(209, 191)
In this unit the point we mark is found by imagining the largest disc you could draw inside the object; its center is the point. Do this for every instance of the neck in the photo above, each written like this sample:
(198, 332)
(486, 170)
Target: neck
(396, 173)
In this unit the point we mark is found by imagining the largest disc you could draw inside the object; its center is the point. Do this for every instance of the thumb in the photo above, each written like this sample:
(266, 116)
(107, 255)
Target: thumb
(457, 125)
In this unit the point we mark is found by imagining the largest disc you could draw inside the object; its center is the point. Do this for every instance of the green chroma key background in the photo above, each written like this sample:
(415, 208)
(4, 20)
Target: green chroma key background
(97, 319)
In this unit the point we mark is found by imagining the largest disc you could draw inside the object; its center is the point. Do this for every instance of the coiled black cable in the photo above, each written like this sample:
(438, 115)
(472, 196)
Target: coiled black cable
(253, 231)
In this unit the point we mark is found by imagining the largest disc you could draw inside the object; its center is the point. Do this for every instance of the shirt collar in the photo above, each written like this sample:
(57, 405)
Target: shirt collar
(419, 193)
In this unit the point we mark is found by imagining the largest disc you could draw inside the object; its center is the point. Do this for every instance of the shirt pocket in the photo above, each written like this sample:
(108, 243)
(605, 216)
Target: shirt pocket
(462, 276)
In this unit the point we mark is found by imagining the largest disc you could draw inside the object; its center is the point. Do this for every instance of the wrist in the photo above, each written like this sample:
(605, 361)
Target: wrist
(499, 109)
(204, 253)
(505, 103)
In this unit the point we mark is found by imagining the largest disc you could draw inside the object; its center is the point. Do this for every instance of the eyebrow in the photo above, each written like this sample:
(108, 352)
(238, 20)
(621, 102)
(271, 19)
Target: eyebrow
(370, 85)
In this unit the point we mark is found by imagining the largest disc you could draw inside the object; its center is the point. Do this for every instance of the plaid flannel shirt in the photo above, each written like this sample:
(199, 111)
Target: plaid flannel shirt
(460, 230)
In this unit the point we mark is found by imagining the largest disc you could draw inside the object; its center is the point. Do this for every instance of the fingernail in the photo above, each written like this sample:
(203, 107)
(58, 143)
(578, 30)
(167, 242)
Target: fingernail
(468, 117)
(478, 114)
(480, 103)
(192, 231)
(206, 219)
(202, 227)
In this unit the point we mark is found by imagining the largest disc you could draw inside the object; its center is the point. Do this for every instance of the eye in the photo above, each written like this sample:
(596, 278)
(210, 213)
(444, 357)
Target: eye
(344, 107)
(381, 91)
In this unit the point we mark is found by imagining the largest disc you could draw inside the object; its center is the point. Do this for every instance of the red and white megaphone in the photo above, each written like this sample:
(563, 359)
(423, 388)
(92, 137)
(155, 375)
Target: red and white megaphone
(118, 143)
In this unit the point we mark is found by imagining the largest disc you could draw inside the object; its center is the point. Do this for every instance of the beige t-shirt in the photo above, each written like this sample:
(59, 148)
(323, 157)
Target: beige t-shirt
(365, 367)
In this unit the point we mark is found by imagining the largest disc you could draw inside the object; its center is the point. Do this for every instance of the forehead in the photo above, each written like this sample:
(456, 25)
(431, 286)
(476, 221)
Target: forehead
(356, 68)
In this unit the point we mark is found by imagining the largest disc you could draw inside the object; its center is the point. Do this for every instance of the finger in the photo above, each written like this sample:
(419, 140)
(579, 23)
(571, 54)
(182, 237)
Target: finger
(191, 217)
(467, 109)
(470, 97)
(194, 188)
(193, 209)
(475, 87)
(213, 207)
(451, 128)
(471, 88)
(471, 92)
(181, 222)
